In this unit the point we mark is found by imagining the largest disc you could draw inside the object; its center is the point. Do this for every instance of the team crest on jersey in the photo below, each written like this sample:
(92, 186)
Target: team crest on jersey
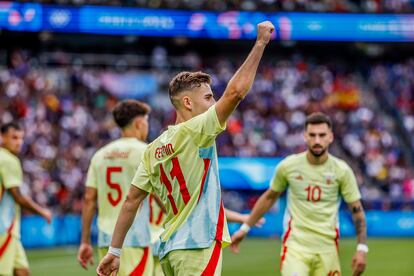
(329, 178)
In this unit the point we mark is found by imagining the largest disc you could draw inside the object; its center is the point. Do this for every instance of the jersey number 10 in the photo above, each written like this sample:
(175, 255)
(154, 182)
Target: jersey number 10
(314, 193)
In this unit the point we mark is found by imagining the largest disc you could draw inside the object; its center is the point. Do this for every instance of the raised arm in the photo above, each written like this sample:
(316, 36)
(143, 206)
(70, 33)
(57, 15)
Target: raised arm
(110, 263)
(242, 80)
(263, 204)
(358, 216)
(85, 252)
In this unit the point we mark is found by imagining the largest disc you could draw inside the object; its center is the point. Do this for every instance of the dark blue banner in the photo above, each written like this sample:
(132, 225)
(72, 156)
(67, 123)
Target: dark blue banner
(227, 25)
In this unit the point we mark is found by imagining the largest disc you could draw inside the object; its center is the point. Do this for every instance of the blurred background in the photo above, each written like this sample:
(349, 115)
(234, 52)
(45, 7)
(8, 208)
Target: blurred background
(64, 64)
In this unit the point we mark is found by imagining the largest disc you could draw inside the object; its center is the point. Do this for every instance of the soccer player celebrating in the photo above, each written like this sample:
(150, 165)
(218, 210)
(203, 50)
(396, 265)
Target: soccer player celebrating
(180, 166)
(13, 260)
(109, 176)
(315, 180)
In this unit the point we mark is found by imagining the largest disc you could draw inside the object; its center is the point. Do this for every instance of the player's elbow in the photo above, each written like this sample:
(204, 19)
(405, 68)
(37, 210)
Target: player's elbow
(235, 93)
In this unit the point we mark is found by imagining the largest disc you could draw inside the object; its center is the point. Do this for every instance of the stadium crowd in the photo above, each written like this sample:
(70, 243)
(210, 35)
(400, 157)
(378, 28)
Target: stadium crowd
(66, 114)
(342, 6)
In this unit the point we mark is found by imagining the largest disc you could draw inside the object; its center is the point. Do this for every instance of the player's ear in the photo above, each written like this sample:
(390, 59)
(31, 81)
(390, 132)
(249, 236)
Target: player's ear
(187, 103)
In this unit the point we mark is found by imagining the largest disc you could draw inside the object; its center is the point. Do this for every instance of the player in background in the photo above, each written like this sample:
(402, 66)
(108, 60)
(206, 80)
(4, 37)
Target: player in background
(314, 180)
(13, 260)
(181, 168)
(109, 177)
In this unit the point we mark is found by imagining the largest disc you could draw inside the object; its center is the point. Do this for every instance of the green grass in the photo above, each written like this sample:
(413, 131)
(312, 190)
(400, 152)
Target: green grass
(387, 257)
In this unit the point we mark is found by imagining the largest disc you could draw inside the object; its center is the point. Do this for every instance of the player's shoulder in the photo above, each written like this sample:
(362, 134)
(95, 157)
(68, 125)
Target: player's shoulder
(293, 159)
(339, 163)
(8, 157)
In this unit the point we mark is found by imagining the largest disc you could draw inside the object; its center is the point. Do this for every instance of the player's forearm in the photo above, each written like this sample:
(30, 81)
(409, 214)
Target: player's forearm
(233, 216)
(88, 212)
(127, 215)
(243, 79)
(358, 217)
(28, 204)
(263, 204)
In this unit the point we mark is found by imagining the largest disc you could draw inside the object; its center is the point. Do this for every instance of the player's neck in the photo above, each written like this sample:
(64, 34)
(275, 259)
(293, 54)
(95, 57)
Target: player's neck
(131, 134)
(182, 117)
(316, 160)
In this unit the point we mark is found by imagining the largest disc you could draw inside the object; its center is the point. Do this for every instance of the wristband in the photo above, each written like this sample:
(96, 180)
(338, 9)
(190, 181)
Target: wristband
(362, 247)
(245, 228)
(114, 251)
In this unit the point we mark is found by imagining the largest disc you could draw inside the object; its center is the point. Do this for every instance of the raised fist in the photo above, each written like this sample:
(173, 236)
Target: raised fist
(264, 32)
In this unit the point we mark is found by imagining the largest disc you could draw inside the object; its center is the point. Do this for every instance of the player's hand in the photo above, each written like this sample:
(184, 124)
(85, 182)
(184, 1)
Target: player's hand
(235, 240)
(47, 215)
(108, 266)
(259, 223)
(264, 32)
(85, 255)
(358, 263)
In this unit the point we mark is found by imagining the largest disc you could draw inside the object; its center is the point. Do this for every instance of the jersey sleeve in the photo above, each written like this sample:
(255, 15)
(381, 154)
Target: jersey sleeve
(349, 187)
(91, 176)
(205, 127)
(279, 181)
(12, 174)
(141, 178)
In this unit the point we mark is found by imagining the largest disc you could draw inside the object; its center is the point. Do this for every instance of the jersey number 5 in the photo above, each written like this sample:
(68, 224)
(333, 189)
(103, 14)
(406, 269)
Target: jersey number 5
(314, 193)
(113, 185)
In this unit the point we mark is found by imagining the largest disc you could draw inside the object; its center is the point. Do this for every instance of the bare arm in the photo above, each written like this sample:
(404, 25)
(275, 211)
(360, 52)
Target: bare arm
(85, 252)
(242, 81)
(263, 204)
(358, 216)
(233, 216)
(127, 215)
(88, 212)
(27, 203)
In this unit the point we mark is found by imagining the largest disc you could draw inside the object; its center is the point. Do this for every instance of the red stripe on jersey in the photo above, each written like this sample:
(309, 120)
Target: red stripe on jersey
(220, 223)
(212, 263)
(140, 269)
(6, 243)
(206, 168)
(285, 238)
(176, 172)
(160, 215)
(337, 239)
(151, 198)
(167, 183)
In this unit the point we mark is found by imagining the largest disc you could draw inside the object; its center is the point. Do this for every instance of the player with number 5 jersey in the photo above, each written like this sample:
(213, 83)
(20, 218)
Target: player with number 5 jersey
(108, 180)
(180, 166)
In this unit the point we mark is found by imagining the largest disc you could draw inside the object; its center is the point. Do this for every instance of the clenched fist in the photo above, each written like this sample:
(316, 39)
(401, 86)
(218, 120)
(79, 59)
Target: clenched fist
(264, 32)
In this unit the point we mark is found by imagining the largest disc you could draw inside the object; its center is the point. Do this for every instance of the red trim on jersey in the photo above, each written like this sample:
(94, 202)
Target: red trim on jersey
(212, 263)
(282, 259)
(150, 208)
(167, 183)
(4, 246)
(220, 223)
(140, 269)
(337, 239)
(203, 180)
(160, 215)
(176, 172)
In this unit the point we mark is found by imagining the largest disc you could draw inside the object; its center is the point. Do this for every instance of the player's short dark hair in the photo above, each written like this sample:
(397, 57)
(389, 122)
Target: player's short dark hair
(126, 110)
(186, 81)
(11, 125)
(317, 118)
